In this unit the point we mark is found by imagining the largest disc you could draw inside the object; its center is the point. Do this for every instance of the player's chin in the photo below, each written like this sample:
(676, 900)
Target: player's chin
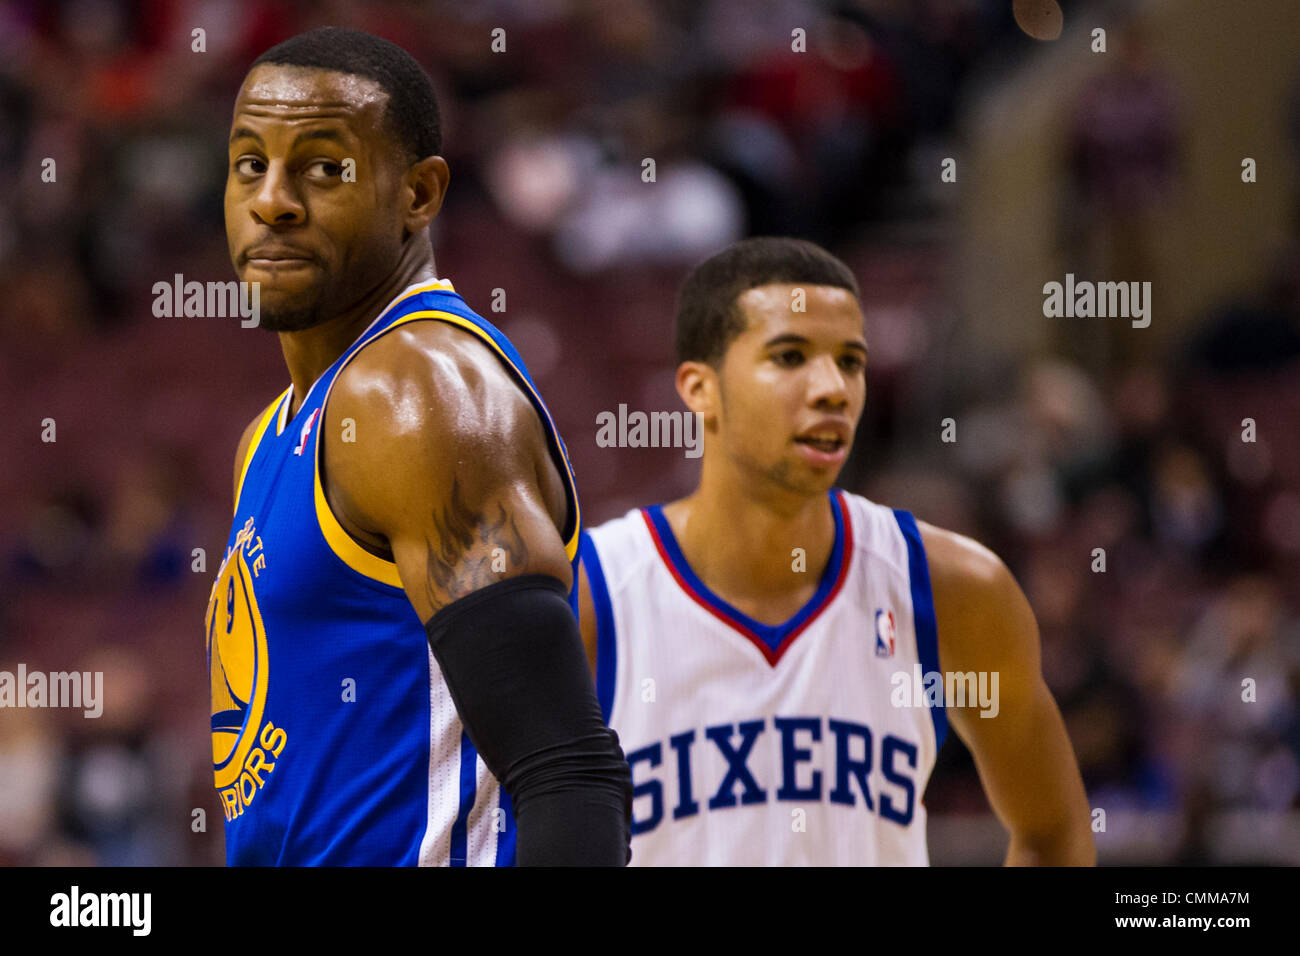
(811, 478)
(289, 310)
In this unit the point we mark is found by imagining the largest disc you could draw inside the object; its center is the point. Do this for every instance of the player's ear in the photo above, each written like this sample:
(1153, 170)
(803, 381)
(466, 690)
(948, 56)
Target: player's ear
(697, 384)
(427, 184)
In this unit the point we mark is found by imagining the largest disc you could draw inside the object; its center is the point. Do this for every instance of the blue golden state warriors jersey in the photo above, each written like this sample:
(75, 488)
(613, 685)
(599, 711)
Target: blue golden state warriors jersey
(334, 737)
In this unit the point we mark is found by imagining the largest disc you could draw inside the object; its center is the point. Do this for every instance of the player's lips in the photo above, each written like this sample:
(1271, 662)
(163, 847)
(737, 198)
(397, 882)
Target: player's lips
(825, 443)
(265, 257)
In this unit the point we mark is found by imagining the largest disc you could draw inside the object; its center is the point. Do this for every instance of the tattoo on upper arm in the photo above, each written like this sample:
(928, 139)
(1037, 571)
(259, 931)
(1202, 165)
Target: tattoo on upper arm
(464, 556)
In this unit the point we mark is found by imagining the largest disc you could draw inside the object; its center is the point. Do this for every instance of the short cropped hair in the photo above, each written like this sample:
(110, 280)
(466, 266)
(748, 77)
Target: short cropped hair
(412, 110)
(708, 316)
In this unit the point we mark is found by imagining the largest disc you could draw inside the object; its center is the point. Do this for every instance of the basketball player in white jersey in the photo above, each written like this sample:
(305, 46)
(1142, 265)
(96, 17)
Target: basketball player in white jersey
(774, 653)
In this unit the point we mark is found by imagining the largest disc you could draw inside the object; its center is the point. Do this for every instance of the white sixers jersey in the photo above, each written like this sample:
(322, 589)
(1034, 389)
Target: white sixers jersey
(752, 744)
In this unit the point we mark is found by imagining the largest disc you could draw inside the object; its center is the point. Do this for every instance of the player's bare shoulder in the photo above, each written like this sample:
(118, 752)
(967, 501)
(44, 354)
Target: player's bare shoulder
(430, 385)
(980, 612)
(431, 449)
(957, 562)
(432, 374)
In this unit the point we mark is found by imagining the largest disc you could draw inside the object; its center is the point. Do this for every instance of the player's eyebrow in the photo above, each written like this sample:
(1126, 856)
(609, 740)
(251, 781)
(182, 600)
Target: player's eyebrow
(332, 135)
(789, 338)
(243, 132)
(786, 338)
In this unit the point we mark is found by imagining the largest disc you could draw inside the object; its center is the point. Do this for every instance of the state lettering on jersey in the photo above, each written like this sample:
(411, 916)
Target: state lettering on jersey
(249, 542)
(841, 775)
(244, 743)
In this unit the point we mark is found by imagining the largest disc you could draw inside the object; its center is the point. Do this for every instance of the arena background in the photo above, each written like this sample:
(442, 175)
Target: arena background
(1071, 434)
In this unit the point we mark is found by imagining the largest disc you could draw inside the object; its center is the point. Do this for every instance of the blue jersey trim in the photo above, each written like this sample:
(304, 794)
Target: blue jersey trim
(773, 635)
(606, 644)
(927, 634)
(468, 787)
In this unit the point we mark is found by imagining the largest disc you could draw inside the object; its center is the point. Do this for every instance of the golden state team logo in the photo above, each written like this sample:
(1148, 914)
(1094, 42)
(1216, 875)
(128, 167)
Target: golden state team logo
(238, 670)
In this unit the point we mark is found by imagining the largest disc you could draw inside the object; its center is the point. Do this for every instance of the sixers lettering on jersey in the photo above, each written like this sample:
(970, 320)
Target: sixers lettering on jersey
(299, 611)
(755, 744)
(847, 770)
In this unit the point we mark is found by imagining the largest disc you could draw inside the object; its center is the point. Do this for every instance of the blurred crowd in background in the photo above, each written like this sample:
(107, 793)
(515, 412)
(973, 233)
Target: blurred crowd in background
(1142, 457)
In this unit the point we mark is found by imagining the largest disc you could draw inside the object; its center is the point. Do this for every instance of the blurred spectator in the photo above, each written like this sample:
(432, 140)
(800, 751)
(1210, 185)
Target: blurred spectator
(1124, 152)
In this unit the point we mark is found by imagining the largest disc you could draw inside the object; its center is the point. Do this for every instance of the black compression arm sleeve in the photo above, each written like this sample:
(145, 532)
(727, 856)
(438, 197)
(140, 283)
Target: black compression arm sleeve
(512, 657)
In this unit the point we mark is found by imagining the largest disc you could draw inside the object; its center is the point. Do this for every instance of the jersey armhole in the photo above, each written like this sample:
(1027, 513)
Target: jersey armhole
(338, 539)
(256, 439)
(606, 639)
(923, 619)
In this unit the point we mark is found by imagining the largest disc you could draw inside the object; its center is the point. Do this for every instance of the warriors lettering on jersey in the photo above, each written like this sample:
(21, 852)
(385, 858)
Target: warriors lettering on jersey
(238, 667)
(846, 766)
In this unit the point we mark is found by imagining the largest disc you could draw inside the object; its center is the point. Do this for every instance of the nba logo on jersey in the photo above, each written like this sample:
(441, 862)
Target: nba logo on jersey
(884, 633)
(306, 430)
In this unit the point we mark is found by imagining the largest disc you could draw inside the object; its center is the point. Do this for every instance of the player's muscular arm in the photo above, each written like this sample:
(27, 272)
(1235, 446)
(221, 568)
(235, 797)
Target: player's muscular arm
(1023, 755)
(450, 467)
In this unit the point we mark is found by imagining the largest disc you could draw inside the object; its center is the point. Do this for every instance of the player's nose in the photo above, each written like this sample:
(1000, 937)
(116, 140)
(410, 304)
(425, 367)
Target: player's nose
(827, 383)
(276, 201)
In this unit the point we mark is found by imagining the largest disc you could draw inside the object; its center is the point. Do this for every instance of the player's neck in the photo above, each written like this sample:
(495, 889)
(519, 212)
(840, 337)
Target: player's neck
(310, 352)
(741, 542)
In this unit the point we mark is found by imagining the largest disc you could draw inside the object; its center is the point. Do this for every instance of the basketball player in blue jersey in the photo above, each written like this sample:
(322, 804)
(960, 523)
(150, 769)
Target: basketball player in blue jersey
(397, 673)
(776, 654)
